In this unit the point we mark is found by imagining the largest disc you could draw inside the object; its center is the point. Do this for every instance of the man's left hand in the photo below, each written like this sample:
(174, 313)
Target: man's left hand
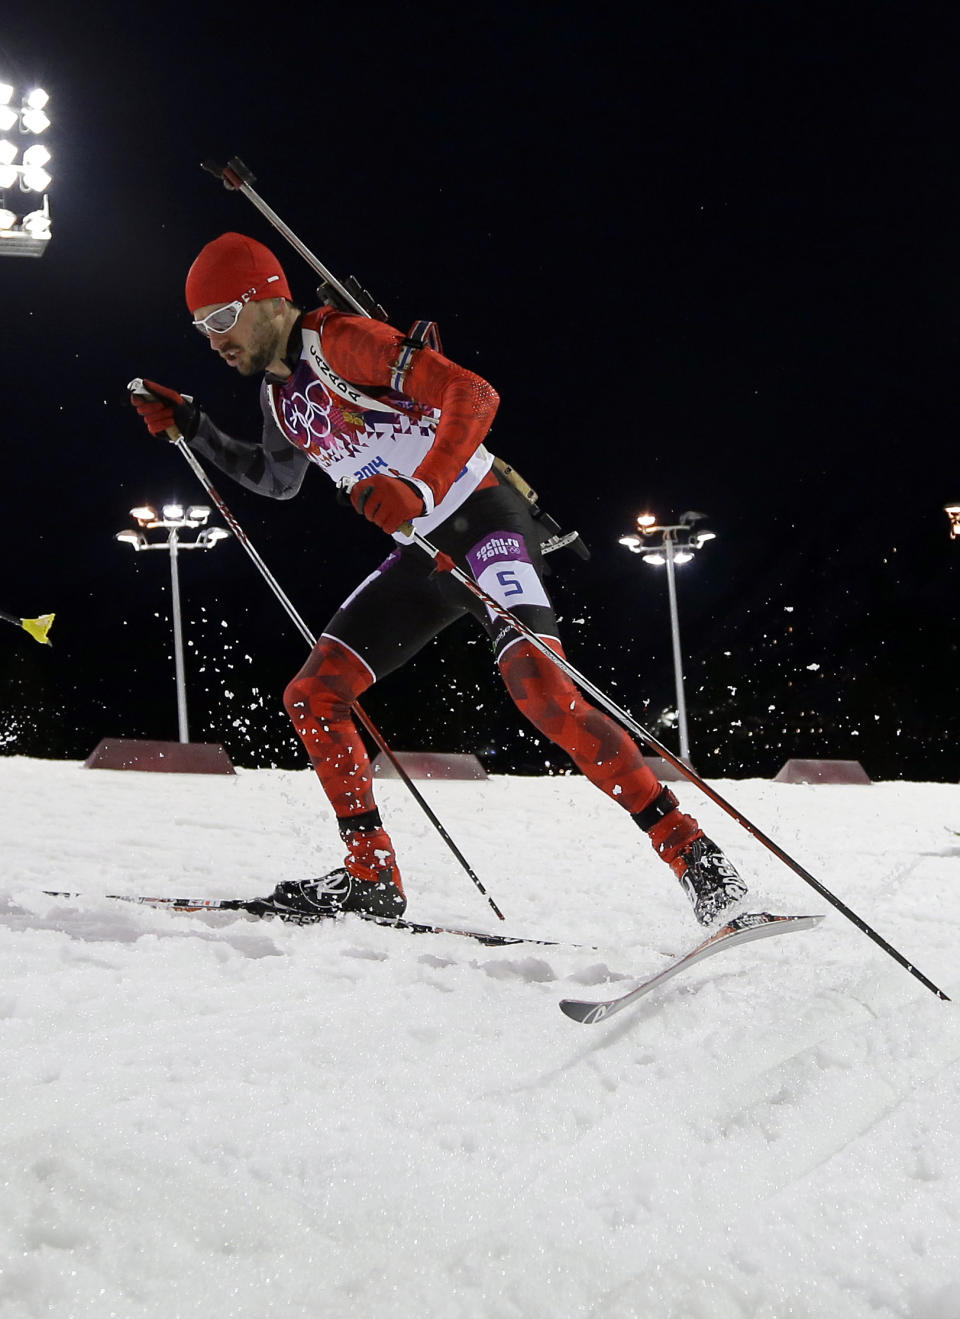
(387, 501)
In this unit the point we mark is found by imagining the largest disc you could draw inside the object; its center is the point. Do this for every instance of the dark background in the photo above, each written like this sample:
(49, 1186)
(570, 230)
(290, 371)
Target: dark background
(708, 257)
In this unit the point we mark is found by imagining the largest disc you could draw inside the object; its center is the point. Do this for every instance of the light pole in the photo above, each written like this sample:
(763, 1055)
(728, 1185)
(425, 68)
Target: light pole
(173, 519)
(953, 513)
(24, 224)
(668, 546)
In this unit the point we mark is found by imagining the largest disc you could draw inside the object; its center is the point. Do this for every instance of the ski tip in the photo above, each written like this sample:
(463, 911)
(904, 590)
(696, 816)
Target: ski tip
(586, 1013)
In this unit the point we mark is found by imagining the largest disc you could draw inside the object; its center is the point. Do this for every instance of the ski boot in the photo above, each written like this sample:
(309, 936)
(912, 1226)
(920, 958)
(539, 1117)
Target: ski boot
(303, 901)
(368, 881)
(709, 880)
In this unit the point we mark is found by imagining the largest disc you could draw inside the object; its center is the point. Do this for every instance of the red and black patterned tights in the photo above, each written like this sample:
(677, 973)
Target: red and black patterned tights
(598, 746)
(319, 698)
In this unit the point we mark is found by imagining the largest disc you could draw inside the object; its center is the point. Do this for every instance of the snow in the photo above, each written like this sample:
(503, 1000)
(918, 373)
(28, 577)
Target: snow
(208, 1115)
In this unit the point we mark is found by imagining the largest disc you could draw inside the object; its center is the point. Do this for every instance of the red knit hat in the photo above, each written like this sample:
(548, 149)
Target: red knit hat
(231, 266)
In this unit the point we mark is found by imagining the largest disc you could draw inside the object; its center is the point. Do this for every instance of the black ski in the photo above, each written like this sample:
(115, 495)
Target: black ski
(742, 929)
(265, 909)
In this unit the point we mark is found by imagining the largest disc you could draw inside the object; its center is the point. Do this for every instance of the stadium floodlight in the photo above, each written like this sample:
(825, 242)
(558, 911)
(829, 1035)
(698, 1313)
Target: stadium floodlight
(33, 121)
(211, 535)
(33, 117)
(34, 180)
(135, 538)
(37, 223)
(670, 546)
(173, 522)
(31, 231)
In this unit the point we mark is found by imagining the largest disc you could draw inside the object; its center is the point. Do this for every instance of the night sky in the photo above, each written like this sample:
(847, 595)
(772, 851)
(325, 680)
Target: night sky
(707, 254)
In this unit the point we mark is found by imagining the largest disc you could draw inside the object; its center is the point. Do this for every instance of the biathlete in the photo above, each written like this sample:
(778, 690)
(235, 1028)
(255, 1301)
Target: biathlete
(359, 399)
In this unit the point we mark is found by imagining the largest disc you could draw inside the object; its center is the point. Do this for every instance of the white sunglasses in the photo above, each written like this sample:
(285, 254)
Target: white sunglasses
(225, 318)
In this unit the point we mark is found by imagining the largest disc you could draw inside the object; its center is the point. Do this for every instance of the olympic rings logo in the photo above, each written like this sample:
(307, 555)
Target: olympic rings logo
(306, 416)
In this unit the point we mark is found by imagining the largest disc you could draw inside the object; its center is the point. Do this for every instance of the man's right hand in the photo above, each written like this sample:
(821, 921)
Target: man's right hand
(165, 410)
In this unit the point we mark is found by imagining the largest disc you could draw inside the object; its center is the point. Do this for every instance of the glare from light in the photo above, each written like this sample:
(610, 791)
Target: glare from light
(34, 121)
(8, 176)
(198, 513)
(173, 512)
(8, 118)
(657, 560)
(8, 152)
(35, 157)
(144, 514)
(37, 99)
(7, 219)
(646, 520)
(6, 93)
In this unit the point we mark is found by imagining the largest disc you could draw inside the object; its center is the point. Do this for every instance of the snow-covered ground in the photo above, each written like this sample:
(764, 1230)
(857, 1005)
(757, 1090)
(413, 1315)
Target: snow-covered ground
(212, 1116)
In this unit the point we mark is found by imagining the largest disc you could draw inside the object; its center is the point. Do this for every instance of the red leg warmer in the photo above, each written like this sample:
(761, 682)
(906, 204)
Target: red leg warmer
(596, 744)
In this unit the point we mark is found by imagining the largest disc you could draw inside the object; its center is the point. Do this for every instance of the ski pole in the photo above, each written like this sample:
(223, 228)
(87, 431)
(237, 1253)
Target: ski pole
(34, 627)
(238, 178)
(446, 564)
(137, 387)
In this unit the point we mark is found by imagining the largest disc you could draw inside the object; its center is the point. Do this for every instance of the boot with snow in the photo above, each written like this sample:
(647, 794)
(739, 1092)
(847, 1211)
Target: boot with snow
(709, 880)
(368, 881)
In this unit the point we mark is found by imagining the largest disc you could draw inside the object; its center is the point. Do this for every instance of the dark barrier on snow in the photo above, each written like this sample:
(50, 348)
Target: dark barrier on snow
(160, 757)
(431, 765)
(822, 771)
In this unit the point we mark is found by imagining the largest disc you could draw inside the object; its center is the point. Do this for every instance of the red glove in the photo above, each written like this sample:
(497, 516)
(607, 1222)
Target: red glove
(165, 410)
(387, 501)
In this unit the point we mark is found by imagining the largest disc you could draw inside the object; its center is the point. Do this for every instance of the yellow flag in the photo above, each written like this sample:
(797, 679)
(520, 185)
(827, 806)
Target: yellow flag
(38, 627)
